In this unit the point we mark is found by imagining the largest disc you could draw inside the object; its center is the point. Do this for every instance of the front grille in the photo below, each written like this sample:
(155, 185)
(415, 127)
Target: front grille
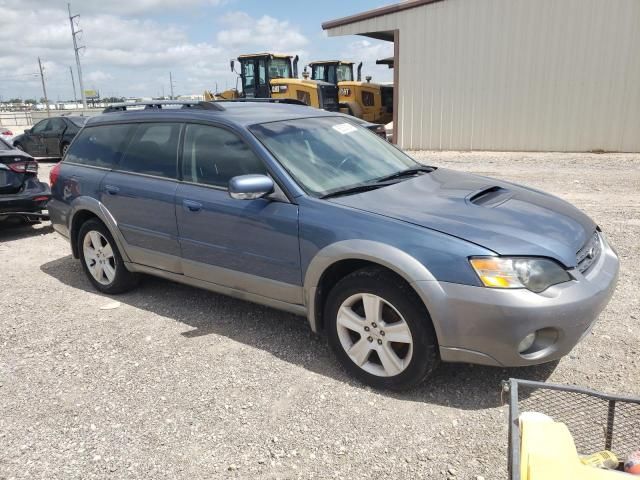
(589, 253)
(328, 96)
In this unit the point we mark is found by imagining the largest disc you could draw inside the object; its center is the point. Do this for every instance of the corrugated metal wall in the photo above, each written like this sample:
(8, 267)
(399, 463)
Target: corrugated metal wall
(543, 75)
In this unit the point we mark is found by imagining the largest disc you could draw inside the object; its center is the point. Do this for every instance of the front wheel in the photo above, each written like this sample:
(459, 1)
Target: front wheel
(380, 330)
(101, 260)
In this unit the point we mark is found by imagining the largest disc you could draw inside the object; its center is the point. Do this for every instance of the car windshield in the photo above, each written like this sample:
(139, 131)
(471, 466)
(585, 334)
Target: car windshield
(329, 154)
(79, 121)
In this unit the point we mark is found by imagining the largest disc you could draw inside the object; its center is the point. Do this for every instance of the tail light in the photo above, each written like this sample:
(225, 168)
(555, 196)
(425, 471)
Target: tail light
(54, 173)
(7, 132)
(24, 167)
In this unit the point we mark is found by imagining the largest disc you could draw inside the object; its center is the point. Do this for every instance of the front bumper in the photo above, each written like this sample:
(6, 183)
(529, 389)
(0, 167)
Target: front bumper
(485, 326)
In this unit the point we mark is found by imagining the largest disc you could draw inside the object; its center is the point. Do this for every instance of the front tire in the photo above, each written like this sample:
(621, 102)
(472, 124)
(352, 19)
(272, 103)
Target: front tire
(380, 330)
(101, 260)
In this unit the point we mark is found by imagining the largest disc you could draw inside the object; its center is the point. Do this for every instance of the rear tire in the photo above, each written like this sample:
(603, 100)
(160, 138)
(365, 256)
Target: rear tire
(380, 330)
(101, 260)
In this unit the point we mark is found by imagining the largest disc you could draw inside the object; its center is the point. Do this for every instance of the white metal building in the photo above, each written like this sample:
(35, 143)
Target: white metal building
(531, 75)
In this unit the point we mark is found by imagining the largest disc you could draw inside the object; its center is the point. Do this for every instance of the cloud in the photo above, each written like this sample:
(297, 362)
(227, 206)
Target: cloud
(130, 54)
(118, 7)
(367, 52)
(123, 55)
(262, 34)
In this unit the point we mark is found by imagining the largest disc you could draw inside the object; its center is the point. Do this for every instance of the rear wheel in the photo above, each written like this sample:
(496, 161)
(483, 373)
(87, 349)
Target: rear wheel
(380, 330)
(102, 261)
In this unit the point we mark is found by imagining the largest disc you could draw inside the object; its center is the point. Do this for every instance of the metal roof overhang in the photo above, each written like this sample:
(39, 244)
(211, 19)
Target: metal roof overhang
(376, 12)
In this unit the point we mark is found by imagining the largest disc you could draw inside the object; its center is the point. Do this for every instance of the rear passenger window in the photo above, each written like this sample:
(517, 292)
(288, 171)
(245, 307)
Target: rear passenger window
(212, 156)
(153, 150)
(99, 146)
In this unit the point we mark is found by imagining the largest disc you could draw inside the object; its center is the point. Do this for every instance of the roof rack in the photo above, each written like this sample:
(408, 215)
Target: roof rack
(162, 104)
(289, 101)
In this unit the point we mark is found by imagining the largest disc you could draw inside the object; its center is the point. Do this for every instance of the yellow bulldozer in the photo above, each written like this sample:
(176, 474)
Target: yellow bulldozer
(370, 101)
(270, 75)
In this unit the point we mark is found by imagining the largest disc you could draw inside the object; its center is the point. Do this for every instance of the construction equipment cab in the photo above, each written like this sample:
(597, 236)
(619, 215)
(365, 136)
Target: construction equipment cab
(366, 100)
(269, 75)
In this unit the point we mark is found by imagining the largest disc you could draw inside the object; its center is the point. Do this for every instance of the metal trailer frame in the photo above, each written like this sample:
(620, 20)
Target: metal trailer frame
(512, 387)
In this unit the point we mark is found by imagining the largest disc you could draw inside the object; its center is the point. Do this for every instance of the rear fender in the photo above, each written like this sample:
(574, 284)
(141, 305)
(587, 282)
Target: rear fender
(89, 204)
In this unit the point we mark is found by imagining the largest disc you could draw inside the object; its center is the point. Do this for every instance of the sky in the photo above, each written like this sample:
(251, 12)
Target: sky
(132, 45)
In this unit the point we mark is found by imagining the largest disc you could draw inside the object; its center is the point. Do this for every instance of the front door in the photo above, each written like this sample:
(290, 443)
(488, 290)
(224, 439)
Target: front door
(140, 194)
(248, 245)
(51, 137)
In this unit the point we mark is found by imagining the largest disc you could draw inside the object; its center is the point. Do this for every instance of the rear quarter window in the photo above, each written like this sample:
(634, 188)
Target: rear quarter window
(100, 146)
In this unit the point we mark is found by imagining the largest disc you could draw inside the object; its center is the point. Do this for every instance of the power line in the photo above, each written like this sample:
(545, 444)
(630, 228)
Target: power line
(76, 49)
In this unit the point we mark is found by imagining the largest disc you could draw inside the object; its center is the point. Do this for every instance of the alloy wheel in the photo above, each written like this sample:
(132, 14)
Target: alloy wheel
(99, 257)
(374, 335)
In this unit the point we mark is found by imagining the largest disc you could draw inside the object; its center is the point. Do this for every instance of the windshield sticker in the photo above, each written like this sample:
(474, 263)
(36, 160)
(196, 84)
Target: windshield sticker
(344, 128)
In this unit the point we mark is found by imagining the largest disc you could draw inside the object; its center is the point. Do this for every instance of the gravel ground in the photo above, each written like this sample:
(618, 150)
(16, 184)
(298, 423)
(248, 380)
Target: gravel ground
(175, 382)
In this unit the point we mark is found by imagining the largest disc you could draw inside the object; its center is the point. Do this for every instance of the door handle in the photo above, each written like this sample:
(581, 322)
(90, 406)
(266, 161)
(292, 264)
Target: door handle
(192, 206)
(111, 190)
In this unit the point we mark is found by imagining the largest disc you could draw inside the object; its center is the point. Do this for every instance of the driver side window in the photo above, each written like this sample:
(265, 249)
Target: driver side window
(213, 156)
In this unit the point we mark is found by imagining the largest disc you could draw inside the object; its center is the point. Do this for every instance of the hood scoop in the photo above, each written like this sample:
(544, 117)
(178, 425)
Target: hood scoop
(490, 197)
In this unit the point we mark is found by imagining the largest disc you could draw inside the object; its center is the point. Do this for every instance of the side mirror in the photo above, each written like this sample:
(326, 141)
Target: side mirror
(28, 130)
(250, 187)
(232, 64)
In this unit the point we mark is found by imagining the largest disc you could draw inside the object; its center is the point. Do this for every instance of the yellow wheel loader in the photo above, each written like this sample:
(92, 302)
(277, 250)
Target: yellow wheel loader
(269, 75)
(230, 94)
(366, 100)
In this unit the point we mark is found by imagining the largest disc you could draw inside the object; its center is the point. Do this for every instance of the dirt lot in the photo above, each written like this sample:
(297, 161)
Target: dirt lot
(175, 382)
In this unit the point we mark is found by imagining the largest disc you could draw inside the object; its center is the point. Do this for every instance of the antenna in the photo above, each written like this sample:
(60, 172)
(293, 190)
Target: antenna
(76, 49)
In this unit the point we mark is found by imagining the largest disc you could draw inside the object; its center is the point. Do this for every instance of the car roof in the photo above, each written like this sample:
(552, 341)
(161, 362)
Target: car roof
(230, 112)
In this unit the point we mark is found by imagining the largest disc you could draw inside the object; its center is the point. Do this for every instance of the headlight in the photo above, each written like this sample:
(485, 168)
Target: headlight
(535, 274)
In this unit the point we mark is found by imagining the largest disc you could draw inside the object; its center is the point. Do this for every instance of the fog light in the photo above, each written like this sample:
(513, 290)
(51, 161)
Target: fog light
(526, 342)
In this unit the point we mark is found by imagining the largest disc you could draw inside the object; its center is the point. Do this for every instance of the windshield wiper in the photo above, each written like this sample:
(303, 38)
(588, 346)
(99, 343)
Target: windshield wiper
(405, 173)
(357, 189)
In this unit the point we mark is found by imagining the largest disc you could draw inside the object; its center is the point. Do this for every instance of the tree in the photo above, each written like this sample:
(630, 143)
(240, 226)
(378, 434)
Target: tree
(15, 100)
(31, 101)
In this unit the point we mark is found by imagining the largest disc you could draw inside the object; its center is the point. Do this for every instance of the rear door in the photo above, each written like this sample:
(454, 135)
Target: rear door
(140, 194)
(52, 136)
(33, 141)
(248, 245)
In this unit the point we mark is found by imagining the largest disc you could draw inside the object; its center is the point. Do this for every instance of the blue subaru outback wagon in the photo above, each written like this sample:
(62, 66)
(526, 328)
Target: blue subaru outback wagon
(400, 264)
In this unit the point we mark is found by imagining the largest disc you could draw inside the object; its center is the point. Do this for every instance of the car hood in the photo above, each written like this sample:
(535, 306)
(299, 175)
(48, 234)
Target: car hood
(505, 218)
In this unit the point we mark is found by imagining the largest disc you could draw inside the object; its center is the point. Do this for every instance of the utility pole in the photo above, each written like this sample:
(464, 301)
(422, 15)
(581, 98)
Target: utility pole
(171, 84)
(73, 82)
(44, 88)
(76, 49)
